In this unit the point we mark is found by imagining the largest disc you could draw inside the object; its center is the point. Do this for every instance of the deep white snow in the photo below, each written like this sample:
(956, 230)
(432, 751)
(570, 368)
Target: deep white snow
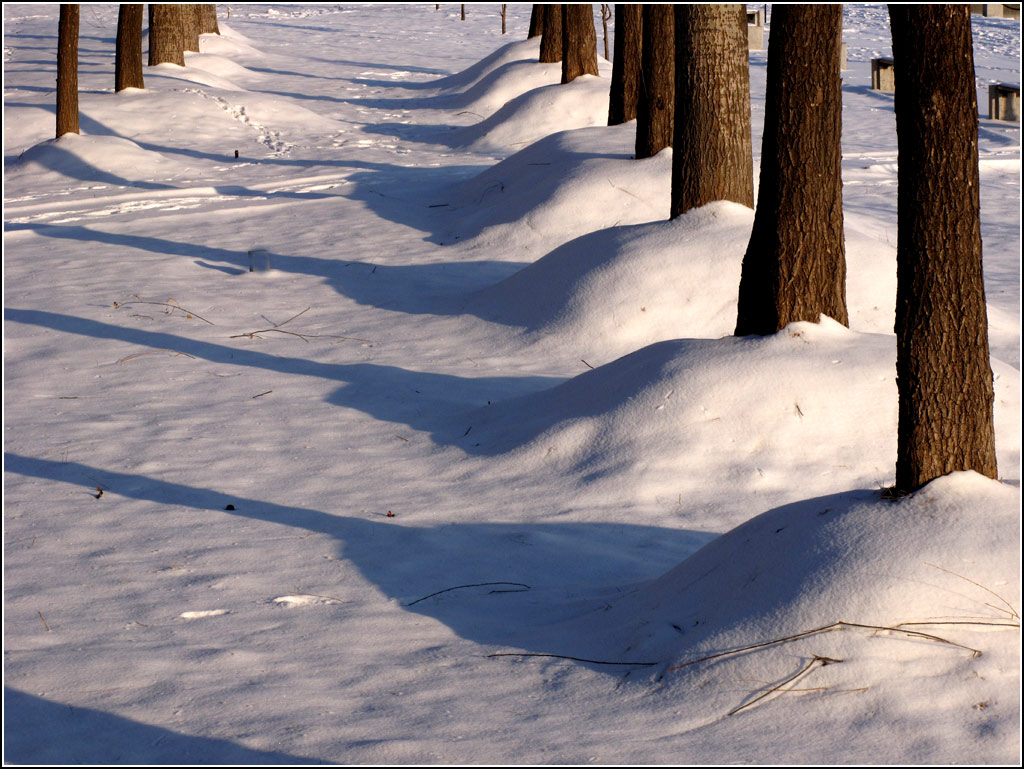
(485, 401)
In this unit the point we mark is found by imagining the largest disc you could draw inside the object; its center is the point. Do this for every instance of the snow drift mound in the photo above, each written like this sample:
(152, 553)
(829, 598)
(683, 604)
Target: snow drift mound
(619, 289)
(97, 158)
(940, 569)
(560, 187)
(816, 401)
(537, 113)
(501, 85)
(524, 50)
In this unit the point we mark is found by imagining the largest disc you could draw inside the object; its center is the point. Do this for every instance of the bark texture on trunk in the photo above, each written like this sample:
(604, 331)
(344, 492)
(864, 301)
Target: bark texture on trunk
(656, 99)
(579, 42)
(67, 70)
(190, 25)
(943, 370)
(712, 155)
(622, 97)
(128, 61)
(551, 36)
(795, 264)
(165, 35)
(208, 19)
(536, 21)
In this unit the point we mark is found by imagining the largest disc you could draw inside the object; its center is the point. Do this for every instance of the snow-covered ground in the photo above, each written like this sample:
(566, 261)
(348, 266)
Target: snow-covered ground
(485, 401)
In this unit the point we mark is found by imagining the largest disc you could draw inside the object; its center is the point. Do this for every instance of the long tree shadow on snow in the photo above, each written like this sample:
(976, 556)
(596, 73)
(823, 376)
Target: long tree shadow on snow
(426, 401)
(41, 731)
(561, 569)
(437, 288)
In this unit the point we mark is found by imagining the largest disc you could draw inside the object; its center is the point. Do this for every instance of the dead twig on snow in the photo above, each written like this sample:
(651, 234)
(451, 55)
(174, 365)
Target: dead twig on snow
(478, 584)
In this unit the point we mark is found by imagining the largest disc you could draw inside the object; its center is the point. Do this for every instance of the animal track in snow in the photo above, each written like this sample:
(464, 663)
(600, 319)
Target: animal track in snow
(265, 136)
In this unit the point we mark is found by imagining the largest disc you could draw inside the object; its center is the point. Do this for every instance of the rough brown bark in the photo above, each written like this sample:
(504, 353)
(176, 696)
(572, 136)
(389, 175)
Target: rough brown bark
(655, 102)
(712, 156)
(67, 70)
(795, 264)
(208, 19)
(579, 42)
(128, 61)
(190, 25)
(622, 96)
(536, 21)
(943, 371)
(165, 35)
(551, 35)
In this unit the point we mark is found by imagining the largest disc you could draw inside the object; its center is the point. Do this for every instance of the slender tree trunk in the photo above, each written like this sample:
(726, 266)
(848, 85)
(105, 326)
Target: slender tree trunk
(128, 61)
(190, 25)
(551, 36)
(208, 19)
(463, 11)
(606, 13)
(504, 8)
(165, 35)
(622, 96)
(795, 265)
(579, 42)
(655, 104)
(712, 157)
(67, 70)
(943, 370)
(536, 21)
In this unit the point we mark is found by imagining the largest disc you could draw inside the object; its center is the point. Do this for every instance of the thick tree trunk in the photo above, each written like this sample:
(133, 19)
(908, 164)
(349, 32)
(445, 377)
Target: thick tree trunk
(165, 35)
(795, 265)
(208, 19)
(622, 97)
(712, 156)
(655, 103)
(551, 36)
(67, 70)
(943, 371)
(190, 25)
(579, 42)
(128, 61)
(536, 21)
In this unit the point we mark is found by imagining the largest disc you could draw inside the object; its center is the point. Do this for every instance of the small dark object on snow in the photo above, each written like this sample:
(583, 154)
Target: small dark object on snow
(236, 154)
(229, 507)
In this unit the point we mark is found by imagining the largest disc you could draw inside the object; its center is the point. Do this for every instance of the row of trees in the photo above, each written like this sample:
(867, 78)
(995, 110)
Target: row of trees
(173, 29)
(682, 72)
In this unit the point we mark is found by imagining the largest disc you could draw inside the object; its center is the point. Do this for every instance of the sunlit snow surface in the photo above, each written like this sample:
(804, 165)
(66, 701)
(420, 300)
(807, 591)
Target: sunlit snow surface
(512, 420)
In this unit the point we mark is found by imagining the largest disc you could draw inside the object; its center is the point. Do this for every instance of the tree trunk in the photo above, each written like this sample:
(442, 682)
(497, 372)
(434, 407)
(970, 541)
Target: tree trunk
(190, 25)
(712, 156)
(606, 13)
(551, 36)
(165, 35)
(67, 70)
(657, 81)
(795, 265)
(504, 8)
(943, 371)
(208, 19)
(463, 11)
(128, 61)
(626, 64)
(579, 42)
(536, 21)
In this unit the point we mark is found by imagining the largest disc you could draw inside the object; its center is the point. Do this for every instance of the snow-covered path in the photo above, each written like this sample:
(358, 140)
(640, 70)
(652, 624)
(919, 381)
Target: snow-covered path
(482, 368)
